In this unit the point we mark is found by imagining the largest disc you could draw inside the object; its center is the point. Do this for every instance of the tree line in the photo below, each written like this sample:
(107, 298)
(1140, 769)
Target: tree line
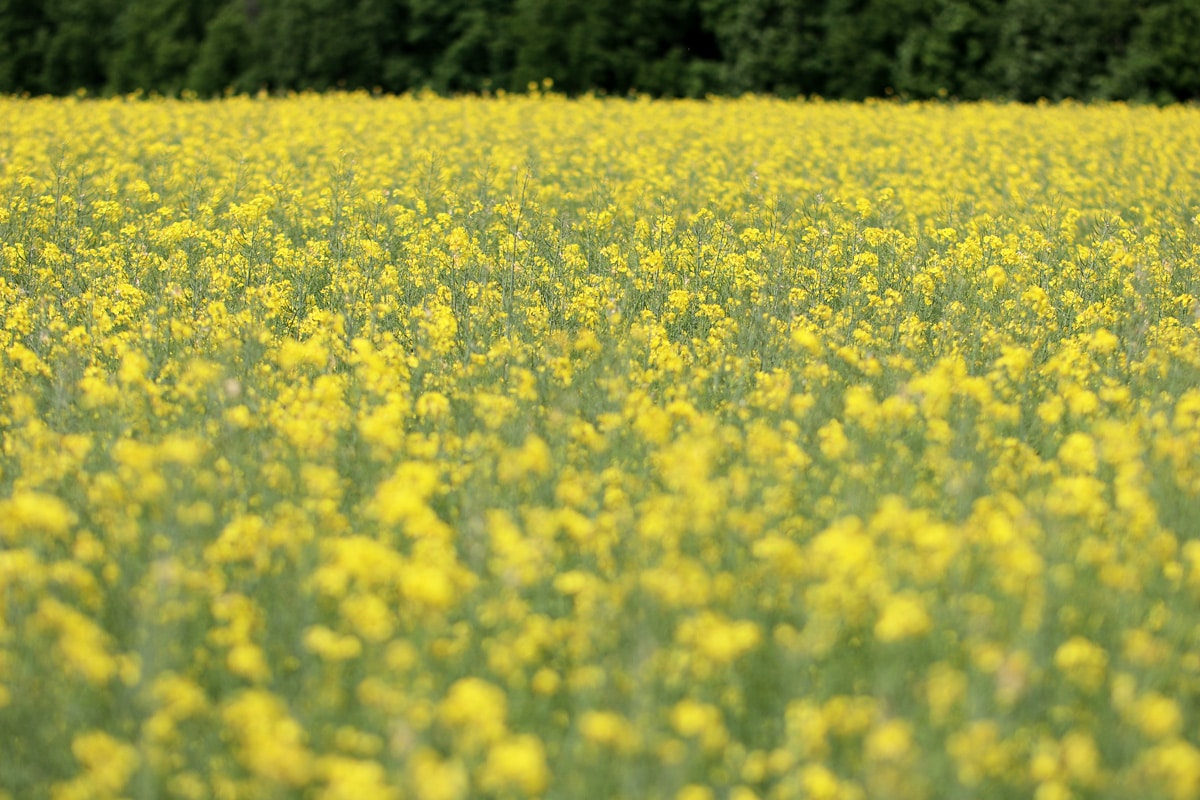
(968, 49)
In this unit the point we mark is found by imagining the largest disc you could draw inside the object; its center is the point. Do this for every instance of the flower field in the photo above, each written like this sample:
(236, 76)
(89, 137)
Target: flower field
(360, 447)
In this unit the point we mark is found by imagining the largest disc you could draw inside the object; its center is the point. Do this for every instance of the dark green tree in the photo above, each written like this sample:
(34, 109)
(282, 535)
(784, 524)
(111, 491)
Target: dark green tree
(279, 43)
(1067, 48)
(155, 44)
(769, 45)
(661, 47)
(458, 45)
(949, 49)
(341, 51)
(664, 47)
(78, 45)
(1162, 62)
(54, 47)
(970, 49)
(24, 29)
(222, 59)
(325, 44)
(565, 42)
(860, 43)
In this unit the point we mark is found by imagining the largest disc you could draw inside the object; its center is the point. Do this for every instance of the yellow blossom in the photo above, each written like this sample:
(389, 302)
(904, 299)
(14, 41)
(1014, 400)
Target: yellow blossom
(476, 709)
(1157, 716)
(271, 742)
(35, 511)
(108, 765)
(609, 729)
(518, 762)
(1082, 662)
(903, 617)
(434, 778)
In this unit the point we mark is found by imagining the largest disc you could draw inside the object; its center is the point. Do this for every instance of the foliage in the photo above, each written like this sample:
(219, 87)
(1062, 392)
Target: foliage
(851, 49)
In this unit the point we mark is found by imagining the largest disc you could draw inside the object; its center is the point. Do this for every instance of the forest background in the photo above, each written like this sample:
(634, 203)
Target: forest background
(1020, 50)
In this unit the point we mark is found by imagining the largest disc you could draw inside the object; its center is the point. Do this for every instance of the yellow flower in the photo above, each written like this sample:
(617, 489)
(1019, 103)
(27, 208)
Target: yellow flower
(718, 639)
(331, 645)
(369, 616)
(979, 753)
(862, 408)
(476, 710)
(891, 741)
(945, 689)
(429, 585)
(351, 779)
(1053, 790)
(832, 440)
(270, 741)
(405, 494)
(1082, 662)
(108, 765)
(1173, 766)
(34, 512)
(546, 681)
(248, 661)
(819, 783)
(433, 406)
(1079, 453)
(1080, 758)
(903, 617)
(609, 729)
(702, 721)
(84, 645)
(1158, 717)
(517, 762)
(435, 778)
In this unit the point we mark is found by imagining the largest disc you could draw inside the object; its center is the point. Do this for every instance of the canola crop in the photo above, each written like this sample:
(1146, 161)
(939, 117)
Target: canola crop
(362, 447)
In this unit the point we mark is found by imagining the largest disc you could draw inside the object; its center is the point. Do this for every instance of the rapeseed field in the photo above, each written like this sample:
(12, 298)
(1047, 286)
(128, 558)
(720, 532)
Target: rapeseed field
(363, 447)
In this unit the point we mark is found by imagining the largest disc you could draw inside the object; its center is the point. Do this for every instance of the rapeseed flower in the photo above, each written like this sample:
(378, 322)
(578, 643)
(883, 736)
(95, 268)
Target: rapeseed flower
(108, 766)
(517, 763)
(902, 617)
(428, 447)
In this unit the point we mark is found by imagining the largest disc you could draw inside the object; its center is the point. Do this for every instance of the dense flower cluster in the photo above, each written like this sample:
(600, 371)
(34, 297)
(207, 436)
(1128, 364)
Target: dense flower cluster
(525, 447)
